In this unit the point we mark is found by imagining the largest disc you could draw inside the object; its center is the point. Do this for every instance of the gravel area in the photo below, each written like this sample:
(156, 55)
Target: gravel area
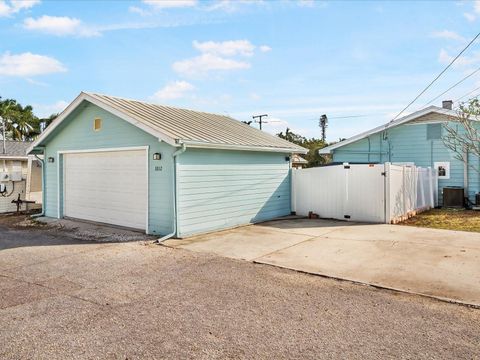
(62, 297)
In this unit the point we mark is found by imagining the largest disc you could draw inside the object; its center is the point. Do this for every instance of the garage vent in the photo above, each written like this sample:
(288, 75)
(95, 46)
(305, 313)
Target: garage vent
(97, 124)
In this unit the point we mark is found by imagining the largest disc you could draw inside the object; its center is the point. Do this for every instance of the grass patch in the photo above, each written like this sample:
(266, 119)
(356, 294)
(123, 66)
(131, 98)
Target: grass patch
(448, 219)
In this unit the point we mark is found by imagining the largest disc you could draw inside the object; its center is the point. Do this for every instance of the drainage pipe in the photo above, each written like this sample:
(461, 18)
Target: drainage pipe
(174, 156)
(42, 162)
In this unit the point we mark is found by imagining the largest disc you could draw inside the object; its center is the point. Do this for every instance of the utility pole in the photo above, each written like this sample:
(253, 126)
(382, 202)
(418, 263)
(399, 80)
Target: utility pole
(260, 121)
(3, 135)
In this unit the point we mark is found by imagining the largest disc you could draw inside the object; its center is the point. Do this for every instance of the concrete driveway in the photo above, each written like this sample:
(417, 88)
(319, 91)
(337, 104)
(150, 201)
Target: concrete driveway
(62, 297)
(437, 263)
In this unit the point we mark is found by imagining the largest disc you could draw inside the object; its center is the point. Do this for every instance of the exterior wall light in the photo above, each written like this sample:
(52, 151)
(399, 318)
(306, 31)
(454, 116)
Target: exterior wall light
(51, 159)
(157, 156)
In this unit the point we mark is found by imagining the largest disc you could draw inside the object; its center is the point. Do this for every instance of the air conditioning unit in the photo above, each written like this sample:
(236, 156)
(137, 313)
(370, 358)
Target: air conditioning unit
(4, 176)
(453, 197)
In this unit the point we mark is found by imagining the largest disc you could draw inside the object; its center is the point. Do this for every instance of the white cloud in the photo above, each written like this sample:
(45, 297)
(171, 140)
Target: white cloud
(254, 96)
(59, 25)
(469, 17)
(448, 35)
(225, 48)
(231, 6)
(445, 58)
(45, 110)
(306, 3)
(205, 63)
(476, 12)
(173, 90)
(138, 10)
(217, 56)
(165, 4)
(15, 6)
(28, 64)
(476, 6)
(265, 48)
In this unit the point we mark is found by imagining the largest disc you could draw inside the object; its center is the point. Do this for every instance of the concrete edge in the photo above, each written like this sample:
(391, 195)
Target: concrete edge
(378, 286)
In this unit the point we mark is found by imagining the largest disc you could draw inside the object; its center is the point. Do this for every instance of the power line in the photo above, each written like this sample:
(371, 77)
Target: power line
(460, 98)
(451, 87)
(437, 77)
(348, 116)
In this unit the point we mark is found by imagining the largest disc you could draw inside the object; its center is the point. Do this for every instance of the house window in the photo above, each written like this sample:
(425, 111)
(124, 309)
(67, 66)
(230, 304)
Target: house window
(443, 169)
(434, 131)
(97, 124)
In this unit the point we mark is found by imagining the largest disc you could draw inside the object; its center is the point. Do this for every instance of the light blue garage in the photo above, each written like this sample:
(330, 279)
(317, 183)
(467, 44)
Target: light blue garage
(168, 171)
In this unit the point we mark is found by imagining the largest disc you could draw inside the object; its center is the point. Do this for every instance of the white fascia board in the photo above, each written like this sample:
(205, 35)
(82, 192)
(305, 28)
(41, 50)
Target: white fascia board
(134, 122)
(202, 145)
(412, 116)
(78, 100)
(6, 157)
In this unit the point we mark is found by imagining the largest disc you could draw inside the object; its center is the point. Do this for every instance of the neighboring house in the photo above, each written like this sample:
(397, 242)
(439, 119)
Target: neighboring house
(298, 162)
(413, 139)
(19, 175)
(161, 169)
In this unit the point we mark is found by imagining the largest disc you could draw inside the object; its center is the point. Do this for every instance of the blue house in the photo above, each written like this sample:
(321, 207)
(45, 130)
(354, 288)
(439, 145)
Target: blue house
(164, 170)
(414, 139)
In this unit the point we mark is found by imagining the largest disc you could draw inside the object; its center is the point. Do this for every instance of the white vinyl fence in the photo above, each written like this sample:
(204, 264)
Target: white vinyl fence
(379, 193)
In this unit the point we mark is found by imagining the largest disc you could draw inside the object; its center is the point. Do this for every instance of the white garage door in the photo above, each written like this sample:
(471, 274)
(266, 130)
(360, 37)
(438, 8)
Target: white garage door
(107, 187)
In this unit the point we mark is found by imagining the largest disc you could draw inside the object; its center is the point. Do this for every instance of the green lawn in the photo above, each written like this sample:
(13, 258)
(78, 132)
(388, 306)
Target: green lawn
(450, 219)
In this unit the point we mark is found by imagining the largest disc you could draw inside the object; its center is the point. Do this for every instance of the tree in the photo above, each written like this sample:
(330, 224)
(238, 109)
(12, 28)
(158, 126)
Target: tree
(462, 132)
(41, 124)
(20, 122)
(312, 144)
(18, 119)
(323, 123)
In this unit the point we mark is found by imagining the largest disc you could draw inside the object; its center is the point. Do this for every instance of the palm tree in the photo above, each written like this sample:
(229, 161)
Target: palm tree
(16, 119)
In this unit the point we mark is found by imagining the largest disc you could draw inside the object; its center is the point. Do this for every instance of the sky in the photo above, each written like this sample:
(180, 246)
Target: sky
(358, 62)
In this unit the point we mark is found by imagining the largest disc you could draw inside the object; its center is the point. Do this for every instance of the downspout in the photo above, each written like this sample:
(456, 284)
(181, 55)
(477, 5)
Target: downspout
(465, 172)
(42, 162)
(369, 149)
(174, 197)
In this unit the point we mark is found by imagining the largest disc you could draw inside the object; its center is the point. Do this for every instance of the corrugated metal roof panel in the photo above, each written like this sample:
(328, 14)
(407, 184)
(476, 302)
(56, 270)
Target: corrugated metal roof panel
(195, 126)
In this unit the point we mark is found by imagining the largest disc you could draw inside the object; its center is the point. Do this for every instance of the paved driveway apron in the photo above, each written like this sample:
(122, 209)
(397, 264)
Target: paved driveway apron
(438, 263)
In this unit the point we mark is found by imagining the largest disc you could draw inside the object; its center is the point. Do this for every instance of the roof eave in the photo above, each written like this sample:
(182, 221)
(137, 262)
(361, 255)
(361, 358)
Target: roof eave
(87, 97)
(12, 157)
(407, 118)
(204, 145)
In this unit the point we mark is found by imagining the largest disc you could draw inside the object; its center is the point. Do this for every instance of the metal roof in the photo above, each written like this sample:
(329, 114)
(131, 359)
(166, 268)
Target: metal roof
(176, 126)
(14, 149)
(402, 120)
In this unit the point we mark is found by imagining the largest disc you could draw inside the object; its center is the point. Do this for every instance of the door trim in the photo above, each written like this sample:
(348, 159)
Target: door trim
(60, 154)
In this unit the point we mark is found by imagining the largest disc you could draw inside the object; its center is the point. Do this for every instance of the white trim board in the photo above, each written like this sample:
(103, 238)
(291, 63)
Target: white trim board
(403, 120)
(202, 145)
(87, 97)
(159, 134)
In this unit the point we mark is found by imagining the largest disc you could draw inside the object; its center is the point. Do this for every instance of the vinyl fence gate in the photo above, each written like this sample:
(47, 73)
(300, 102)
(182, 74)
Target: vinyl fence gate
(377, 193)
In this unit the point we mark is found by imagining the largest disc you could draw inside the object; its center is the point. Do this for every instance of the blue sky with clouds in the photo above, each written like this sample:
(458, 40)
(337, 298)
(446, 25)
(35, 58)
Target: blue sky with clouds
(293, 60)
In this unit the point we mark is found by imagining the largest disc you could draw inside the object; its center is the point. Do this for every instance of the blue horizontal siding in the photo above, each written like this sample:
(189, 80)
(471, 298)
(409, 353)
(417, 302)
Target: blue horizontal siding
(408, 143)
(76, 133)
(222, 189)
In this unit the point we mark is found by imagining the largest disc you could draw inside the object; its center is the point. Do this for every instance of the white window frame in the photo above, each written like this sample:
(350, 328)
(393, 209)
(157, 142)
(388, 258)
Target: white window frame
(444, 164)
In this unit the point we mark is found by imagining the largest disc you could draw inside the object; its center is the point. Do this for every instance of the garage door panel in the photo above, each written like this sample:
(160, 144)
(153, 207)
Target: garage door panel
(108, 187)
